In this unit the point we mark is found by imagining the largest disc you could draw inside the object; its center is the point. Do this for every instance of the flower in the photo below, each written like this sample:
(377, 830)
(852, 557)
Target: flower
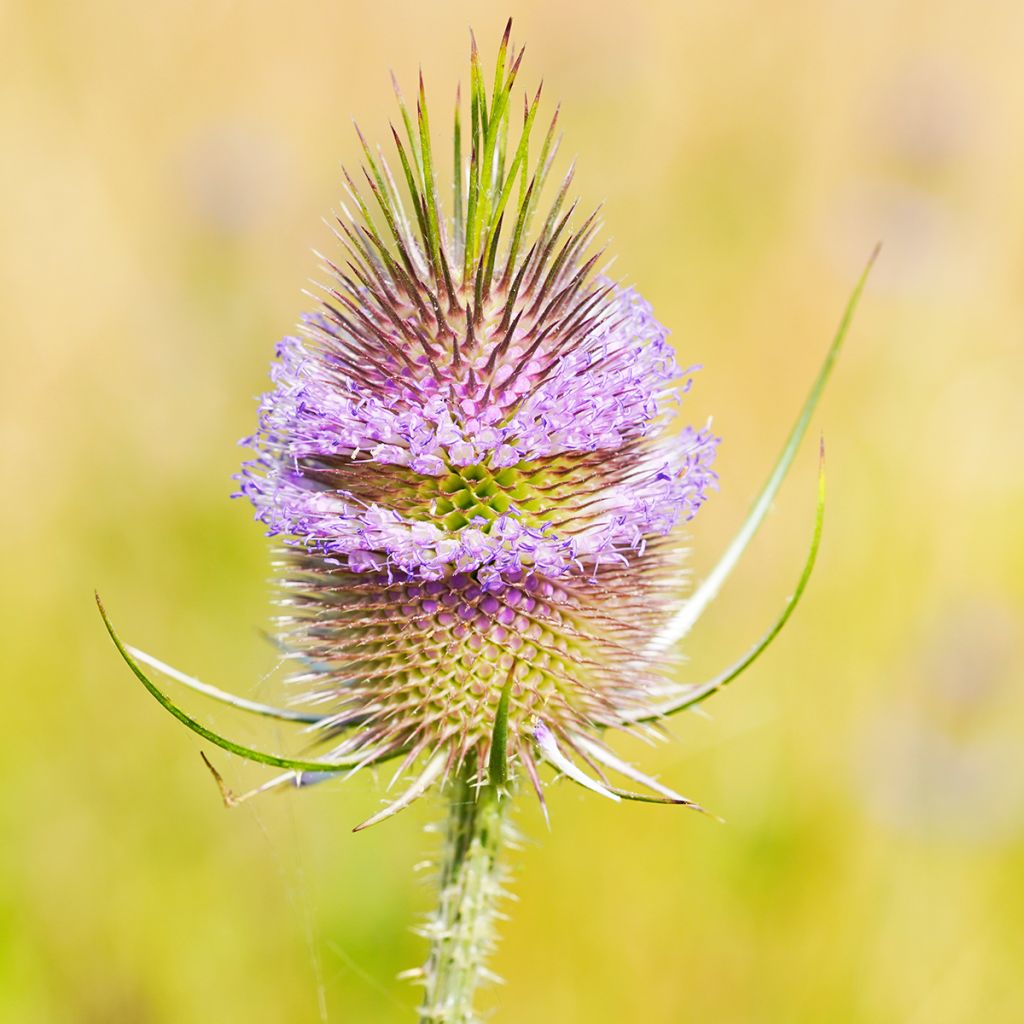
(469, 452)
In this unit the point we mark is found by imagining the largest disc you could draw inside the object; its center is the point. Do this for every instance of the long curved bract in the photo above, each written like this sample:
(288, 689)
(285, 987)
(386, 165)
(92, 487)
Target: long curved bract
(683, 621)
(215, 693)
(702, 691)
(249, 753)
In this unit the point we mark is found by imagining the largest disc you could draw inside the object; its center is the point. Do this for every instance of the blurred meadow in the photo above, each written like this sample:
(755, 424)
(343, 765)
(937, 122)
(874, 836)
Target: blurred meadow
(165, 170)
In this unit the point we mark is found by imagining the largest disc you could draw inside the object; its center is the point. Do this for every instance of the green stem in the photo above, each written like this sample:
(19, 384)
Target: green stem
(462, 929)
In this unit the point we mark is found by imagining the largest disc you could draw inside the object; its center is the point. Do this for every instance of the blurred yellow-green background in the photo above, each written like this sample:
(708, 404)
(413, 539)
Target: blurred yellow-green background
(165, 168)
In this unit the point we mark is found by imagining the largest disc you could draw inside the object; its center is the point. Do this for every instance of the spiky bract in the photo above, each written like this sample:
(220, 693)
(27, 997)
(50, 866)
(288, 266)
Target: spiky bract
(468, 455)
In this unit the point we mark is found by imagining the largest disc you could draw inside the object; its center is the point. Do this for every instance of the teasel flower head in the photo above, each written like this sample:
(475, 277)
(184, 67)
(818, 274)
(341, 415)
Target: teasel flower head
(470, 452)
(473, 458)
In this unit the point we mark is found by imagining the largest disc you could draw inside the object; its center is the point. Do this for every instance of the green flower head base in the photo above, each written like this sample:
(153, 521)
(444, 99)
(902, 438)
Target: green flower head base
(471, 454)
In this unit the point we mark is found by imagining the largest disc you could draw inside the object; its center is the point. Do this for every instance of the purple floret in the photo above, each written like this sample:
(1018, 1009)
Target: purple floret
(613, 392)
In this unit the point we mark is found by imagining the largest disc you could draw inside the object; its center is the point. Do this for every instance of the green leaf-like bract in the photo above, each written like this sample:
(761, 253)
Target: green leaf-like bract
(275, 760)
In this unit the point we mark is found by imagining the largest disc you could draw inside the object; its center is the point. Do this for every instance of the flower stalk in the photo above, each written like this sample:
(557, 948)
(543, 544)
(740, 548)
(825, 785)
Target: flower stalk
(461, 931)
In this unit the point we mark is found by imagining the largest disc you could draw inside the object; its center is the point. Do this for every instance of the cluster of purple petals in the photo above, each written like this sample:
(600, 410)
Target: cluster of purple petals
(616, 385)
(377, 538)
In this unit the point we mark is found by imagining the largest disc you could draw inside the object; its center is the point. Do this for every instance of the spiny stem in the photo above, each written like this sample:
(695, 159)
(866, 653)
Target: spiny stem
(462, 929)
